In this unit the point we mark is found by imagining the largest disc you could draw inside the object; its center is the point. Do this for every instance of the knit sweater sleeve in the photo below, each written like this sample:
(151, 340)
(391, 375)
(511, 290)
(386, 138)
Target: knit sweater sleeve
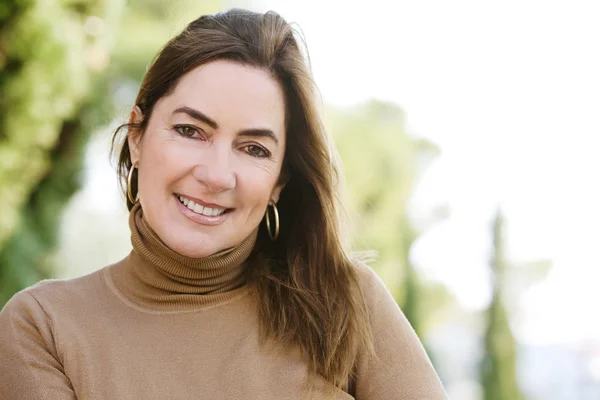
(400, 368)
(30, 367)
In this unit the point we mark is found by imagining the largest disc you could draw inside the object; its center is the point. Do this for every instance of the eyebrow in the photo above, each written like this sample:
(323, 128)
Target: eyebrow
(200, 116)
(197, 115)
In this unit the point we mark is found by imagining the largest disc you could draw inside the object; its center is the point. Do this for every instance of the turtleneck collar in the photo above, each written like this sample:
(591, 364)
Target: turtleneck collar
(154, 276)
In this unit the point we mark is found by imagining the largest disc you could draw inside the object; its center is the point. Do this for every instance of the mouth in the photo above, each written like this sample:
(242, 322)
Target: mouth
(211, 210)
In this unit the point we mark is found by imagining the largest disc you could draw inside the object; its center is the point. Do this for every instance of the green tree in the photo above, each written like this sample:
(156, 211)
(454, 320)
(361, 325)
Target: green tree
(56, 87)
(382, 163)
(146, 27)
(52, 54)
(498, 367)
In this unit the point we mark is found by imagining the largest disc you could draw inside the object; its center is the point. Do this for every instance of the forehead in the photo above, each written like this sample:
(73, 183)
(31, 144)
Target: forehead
(234, 95)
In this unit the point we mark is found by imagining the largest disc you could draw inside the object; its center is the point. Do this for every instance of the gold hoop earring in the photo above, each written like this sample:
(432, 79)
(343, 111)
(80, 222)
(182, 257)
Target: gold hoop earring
(272, 235)
(129, 178)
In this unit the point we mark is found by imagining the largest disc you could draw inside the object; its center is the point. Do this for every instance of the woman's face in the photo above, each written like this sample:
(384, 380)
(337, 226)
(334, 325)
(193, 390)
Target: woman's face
(216, 141)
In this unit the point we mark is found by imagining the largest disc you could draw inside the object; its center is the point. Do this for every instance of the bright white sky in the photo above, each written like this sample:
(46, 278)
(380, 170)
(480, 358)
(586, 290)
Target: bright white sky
(510, 91)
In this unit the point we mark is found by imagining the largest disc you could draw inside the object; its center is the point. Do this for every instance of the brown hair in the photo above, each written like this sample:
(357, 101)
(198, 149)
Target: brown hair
(309, 295)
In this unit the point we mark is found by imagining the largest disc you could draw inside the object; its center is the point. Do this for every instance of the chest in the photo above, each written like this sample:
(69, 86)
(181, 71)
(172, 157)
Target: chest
(212, 354)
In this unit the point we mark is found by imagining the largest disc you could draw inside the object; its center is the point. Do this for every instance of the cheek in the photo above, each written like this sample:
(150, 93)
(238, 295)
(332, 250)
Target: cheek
(162, 160)
(256, 185)
(158, 154)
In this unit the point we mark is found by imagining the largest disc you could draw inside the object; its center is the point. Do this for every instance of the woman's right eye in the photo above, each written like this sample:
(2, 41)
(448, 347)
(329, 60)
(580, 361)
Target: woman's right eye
(187, 131)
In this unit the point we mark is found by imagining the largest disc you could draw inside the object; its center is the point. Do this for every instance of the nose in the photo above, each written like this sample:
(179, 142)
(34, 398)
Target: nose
(214, 170)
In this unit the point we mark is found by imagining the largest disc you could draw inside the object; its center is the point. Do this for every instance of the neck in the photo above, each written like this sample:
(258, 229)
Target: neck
(155, 276)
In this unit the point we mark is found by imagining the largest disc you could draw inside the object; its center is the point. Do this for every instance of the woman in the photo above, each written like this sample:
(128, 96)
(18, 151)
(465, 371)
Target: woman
(212, 302)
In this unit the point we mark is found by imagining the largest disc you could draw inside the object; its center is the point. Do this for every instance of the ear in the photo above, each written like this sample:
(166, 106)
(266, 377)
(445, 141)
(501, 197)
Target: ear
(134, 136)
(277, 191)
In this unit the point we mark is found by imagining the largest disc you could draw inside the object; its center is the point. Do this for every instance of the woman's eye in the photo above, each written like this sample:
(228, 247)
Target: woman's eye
(257, 151)
(186, 130)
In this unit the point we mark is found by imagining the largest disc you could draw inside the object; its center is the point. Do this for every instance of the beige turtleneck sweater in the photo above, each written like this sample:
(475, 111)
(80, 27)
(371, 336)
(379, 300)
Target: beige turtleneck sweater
(158, 325)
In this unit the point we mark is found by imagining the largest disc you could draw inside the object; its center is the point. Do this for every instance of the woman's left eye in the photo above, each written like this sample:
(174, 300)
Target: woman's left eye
(257, 151)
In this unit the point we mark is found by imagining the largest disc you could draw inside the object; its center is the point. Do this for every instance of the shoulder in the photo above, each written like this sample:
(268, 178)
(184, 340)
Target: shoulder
(386, 317)
(371, 285)
(399, 365)
(366, 275)
(55, 294)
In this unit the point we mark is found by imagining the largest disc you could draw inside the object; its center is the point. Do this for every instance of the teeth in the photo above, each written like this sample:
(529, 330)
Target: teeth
(197, 208)
(212, 212)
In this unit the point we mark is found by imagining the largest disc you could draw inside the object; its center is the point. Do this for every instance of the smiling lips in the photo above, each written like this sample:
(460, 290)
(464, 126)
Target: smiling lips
(200, 209)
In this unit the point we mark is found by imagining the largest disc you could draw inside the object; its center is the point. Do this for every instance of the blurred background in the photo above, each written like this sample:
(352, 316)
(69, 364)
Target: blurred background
(469, 133)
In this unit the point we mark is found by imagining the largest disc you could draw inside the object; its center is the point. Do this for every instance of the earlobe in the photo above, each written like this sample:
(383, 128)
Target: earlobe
(134, 135)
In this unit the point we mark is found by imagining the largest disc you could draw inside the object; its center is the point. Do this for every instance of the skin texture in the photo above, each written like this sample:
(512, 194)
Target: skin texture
(224, 164)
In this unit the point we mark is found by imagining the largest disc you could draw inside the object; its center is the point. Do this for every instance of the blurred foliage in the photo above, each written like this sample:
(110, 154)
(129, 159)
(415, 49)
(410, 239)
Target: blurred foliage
(382, 164)
(147, 26)
(56, 87)
(498, 367)
(52, 54)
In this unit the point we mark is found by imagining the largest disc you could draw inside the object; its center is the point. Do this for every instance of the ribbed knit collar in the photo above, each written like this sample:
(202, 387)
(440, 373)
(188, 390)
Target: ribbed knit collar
(154, 276)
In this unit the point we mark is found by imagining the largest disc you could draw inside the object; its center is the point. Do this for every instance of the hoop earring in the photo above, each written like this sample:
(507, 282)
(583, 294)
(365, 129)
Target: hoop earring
(129, 178)
(272, 235)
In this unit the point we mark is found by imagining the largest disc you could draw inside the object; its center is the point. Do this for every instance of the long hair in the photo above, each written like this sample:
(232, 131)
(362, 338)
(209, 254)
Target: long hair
(307, 289)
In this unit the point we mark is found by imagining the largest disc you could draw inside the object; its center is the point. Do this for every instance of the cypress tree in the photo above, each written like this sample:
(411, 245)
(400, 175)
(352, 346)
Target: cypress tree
(498, 366)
